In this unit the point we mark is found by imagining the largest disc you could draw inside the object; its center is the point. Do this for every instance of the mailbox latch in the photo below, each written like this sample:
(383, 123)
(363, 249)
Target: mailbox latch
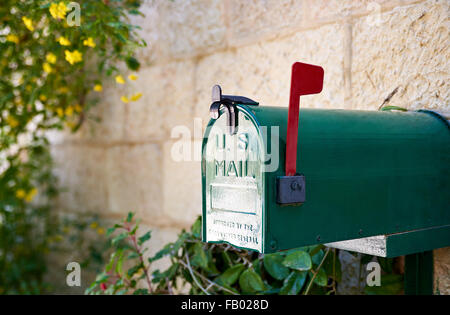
(229, 103)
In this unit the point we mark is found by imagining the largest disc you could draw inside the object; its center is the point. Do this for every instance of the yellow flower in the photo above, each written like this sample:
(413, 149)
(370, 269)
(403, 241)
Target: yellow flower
(31, 194)
(98, 88)
(89, 42)
(42, 97)
(63, 89)
(28, 23)
(71, 124)
(47, 67)
(93, 225)
(73, 57)
(60, 112)
(51, 58)
(119, 79)
(12, 122)
(78, 108)
(125, 99)
(20, 193)
(12, 38)
(136, 96)
(100, 231)
(69, 111)
(58, 11)
(132, 77)
(63, 41)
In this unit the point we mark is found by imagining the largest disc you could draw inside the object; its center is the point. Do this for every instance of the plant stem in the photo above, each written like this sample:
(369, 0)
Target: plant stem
(211, 283)
(317, 271)
(141, 259)
(192, 275)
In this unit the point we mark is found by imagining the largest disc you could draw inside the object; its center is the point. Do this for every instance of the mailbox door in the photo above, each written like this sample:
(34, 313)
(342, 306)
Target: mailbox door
(232, 178)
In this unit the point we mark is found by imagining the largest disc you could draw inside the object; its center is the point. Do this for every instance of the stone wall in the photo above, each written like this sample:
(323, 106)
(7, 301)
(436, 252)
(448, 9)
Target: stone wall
(369, 49)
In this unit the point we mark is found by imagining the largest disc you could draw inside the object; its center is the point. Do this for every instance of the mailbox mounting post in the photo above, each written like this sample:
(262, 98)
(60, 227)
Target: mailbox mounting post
(306, 79)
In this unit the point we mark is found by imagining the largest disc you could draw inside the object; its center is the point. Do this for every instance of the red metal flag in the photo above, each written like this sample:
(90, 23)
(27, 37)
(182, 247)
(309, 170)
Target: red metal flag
(306, 79)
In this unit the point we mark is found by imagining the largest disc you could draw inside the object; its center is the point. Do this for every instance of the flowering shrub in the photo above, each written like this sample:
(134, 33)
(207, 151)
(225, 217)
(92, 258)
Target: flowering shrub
(50, 72)
(212, 268)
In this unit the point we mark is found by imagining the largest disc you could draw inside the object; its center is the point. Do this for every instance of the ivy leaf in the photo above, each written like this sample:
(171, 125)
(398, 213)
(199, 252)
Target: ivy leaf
(144, 238)
(298, 260)
(251, 282)
(273, 263)
(294, 283)
(321, 278)
(231, 275)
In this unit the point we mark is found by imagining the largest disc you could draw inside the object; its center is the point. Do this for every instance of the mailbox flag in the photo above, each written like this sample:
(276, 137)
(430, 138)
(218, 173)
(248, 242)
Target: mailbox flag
(306, 79)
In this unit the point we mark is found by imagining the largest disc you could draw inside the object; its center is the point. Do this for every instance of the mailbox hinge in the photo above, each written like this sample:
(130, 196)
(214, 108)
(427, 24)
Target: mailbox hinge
(229, 103)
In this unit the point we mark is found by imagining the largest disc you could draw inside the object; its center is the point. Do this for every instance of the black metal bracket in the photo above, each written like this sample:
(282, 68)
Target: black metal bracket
(291, 189)
(229, 103)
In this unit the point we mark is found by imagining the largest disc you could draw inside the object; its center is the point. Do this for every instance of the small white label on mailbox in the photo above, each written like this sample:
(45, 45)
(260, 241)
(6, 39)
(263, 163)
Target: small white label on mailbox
(234, 185)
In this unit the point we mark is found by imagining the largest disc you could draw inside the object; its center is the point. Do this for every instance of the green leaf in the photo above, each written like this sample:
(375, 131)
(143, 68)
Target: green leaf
(317, 257)
(196, 228)
(103, 277)
(321, 278)
(129, 217)
(141, 292)
(112, 229)
(119, 264)
(294, 283)
(160, 254)
(231, 275)
(390, 285)
(133, 270)
(333, 271)
(251, 282)
(273, 263)
(133, 255)
(133, 63)
(144, 238)
(199, 257)
(298, 260)
(118, 238)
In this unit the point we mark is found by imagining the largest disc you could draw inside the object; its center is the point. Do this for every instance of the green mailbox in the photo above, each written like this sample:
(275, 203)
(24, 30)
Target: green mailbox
(372, 181)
